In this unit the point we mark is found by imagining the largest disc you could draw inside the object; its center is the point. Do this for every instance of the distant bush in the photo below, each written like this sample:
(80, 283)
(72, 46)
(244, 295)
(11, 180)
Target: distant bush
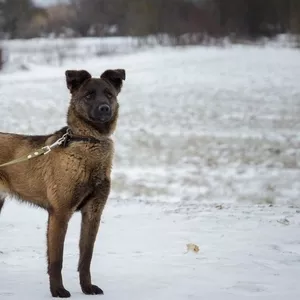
(183, 21)
(1, 59)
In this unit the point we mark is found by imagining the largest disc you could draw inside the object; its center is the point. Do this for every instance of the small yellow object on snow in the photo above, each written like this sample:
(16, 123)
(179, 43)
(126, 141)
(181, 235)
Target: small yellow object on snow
(192, 247)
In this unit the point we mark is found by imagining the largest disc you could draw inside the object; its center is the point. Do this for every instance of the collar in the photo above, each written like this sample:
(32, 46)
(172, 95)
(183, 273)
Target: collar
(69, 137)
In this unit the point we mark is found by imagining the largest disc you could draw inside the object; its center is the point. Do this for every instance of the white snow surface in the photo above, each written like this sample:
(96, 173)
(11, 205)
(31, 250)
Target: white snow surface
(206, 152)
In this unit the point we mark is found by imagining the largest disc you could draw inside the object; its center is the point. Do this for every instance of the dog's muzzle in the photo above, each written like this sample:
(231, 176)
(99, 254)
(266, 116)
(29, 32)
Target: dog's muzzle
(102, 113)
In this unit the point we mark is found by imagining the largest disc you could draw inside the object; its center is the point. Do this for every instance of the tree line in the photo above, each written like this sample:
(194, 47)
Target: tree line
(174, 18)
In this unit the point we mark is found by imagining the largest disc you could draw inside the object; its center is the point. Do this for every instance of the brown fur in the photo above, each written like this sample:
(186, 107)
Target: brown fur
(72, 178)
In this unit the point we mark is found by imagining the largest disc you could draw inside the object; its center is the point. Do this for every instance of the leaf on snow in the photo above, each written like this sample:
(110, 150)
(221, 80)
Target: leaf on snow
(192, 247)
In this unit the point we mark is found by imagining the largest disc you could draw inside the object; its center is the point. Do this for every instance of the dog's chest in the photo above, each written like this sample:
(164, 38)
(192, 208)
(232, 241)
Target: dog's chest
(91, 177)
(92, 164)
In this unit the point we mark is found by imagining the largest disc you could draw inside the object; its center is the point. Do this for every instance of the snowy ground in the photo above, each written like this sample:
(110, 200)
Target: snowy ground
(20, 54)
(207, 152)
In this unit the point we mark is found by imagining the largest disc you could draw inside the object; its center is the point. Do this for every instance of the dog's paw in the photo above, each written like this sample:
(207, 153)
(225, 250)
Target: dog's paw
(91, 290)
(60, 293)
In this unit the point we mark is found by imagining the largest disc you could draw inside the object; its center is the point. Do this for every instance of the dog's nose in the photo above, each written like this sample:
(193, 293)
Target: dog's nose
(105, 109)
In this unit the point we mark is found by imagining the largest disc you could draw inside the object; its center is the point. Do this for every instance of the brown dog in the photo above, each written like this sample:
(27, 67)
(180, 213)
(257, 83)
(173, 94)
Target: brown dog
(74, 175)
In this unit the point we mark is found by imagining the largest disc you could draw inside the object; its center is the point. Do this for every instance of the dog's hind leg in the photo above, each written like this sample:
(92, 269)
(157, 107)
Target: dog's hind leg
(2, 199)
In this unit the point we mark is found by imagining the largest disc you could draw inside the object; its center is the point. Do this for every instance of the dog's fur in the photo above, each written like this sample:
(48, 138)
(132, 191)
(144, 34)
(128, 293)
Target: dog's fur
(72, 178)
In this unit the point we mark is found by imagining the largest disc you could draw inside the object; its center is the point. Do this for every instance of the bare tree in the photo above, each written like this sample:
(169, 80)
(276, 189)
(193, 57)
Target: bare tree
(16, 15)
(1, 59)
(175, 19)
(295, 20)
(93, 17)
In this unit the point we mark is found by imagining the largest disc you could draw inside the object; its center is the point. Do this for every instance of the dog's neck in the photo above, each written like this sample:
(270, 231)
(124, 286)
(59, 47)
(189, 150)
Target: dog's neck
(80, 126)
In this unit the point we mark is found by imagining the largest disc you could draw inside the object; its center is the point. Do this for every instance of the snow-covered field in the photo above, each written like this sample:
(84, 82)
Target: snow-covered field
(20, 54)
(207, 152)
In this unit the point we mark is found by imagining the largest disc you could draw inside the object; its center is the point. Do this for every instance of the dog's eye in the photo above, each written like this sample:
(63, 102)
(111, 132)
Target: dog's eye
(109, 95)
(88, 96)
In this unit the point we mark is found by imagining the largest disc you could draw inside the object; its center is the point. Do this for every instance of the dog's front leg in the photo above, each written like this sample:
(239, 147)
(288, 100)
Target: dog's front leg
(57, 228)
(91, 216)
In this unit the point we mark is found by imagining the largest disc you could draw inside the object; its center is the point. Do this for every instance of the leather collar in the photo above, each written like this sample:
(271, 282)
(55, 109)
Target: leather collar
(70, 138)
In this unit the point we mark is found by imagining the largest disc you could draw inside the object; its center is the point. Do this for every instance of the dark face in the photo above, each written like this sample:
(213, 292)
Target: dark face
(95, 99)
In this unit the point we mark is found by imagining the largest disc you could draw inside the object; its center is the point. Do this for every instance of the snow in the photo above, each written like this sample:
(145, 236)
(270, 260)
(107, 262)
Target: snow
(207, 152)
(46, 3)
(26, 53)
(140, 253)
(21, 54)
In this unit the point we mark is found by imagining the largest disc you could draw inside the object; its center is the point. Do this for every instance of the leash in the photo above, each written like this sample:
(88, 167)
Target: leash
(42, 151)
(63, 141)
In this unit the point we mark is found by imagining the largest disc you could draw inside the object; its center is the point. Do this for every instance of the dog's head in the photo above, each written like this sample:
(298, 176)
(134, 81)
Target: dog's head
(95, 99)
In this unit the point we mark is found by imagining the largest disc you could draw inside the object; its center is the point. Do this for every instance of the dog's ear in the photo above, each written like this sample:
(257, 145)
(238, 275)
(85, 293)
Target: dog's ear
(75, 79)
(115, 77)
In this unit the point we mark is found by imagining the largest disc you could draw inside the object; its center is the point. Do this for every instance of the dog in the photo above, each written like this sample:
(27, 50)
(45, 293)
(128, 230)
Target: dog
(72, 174)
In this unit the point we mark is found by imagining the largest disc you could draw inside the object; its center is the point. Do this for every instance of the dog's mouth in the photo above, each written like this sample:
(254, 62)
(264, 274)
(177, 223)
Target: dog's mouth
(101, 114)
(101, 118)
(104, 119)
